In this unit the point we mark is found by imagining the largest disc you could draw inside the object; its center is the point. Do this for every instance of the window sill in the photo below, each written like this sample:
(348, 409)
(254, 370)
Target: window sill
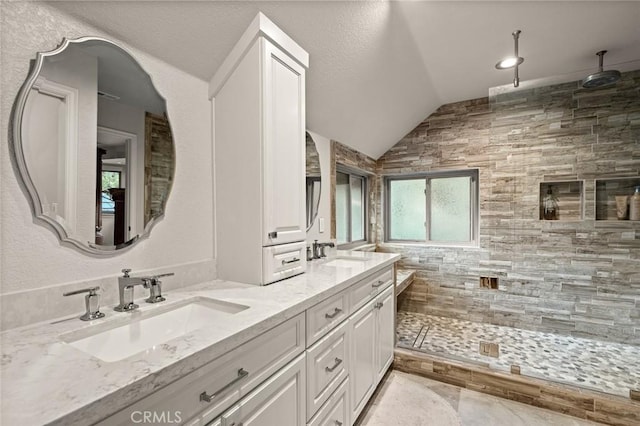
(427, 245)
(358, 245)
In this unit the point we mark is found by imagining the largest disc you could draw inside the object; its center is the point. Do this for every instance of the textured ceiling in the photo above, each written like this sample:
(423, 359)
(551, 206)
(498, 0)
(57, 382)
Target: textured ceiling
(378, 68)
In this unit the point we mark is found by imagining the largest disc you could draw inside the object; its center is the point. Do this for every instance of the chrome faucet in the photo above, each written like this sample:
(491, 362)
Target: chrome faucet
(126, 284)
(92, 302)
(318, 249)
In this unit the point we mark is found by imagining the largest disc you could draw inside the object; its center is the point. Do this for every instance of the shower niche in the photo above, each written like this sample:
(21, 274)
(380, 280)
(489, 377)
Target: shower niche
(612, 195)
(562, 200)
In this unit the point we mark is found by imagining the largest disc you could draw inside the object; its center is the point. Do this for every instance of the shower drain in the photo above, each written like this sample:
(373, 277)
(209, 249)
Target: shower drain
(489, 349)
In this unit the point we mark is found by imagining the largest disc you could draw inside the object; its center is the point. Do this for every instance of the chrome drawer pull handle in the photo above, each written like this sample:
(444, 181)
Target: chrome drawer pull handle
(336, 311)
(330, 369)
(380, 282)
(208, 398)
(379, 305)
(294, 260)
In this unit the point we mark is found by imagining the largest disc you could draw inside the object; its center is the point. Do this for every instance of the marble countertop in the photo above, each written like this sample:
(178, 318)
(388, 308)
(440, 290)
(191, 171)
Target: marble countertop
(46, 381)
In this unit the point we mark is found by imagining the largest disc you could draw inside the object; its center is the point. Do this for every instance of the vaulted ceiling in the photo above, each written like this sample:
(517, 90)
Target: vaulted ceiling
(379, 68)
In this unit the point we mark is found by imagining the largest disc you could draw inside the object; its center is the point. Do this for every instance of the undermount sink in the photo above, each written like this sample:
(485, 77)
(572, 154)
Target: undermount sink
(346, 261)
(144, 333)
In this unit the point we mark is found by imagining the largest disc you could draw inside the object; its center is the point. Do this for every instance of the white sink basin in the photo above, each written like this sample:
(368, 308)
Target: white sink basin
(144, 333)
(346, 261)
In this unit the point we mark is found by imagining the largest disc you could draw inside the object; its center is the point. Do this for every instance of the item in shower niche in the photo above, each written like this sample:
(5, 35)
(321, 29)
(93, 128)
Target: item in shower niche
(622, 207)
(550, 210)
(634, 205)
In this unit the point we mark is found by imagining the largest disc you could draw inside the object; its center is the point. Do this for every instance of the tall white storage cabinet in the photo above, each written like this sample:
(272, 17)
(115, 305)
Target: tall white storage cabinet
(259, 157)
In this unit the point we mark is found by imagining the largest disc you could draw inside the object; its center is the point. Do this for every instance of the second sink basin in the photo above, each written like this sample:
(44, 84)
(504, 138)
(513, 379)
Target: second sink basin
(141, 334)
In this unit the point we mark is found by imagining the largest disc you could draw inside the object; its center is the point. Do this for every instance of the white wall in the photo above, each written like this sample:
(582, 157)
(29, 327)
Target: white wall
(80, 71)
(324, 210)
(34, 268)
(127, 118)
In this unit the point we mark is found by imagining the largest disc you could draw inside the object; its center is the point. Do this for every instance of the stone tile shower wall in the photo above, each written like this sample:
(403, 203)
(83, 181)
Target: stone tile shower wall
(579, 277)
(343, 155)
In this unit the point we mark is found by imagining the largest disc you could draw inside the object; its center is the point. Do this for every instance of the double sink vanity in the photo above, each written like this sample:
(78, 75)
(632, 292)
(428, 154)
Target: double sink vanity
(307, 350)
(280, 338)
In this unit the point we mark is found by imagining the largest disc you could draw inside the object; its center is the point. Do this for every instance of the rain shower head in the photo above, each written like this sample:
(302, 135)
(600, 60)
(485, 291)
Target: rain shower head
(601, 78)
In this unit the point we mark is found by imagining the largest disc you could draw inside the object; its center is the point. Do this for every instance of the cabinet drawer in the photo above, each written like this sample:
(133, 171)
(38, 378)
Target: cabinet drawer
(325, 315)
(335, 412)
(367, 288)
(277, 402)
(327, 367)
(283, 261)
(226, 379)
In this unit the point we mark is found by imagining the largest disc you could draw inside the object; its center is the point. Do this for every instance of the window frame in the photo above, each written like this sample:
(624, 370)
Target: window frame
(428, 176)
(358, 174)
(109, 212)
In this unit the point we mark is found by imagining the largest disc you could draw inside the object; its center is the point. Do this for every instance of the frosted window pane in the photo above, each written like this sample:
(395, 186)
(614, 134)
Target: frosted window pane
(357, 210)
(451, 209)
(407, 209)
(342, 207)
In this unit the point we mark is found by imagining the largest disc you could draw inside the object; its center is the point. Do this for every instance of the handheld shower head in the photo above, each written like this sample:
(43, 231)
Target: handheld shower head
(601, 78)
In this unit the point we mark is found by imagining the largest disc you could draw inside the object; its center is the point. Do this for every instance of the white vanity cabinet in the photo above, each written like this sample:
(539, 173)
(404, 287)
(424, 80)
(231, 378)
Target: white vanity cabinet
(259, 157)
(319, 367)
(371, 351)
(351, 337)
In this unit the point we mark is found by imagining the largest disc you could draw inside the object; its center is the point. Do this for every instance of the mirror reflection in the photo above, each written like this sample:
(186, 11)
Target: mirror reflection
(313, 180)
(94, 145)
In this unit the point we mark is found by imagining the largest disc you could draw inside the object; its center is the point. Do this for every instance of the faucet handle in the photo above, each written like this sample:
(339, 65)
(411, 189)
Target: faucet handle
(126, 271)
(168, 274)
(92, 302)
(91, 290)
(155, 289)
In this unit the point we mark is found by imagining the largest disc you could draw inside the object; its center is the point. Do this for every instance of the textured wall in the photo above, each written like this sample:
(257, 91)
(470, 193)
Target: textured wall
(35, 269)
(578, 277)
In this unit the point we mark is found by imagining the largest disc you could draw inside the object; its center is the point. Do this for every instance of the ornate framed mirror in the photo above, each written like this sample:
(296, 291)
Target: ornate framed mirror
(92, 145)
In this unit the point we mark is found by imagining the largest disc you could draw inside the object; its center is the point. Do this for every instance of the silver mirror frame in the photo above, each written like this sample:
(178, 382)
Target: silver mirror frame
(16, 149)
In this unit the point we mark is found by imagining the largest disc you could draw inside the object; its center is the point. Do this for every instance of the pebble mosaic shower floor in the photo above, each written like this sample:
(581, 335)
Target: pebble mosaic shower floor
(603, 366)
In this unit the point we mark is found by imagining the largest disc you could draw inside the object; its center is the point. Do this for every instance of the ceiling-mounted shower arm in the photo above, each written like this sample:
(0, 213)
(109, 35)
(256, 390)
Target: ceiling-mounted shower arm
(516, 36)
(516, 76)
(600, 55)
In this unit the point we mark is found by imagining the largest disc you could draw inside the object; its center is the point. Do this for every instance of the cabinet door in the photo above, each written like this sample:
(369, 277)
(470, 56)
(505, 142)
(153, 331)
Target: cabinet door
(280, 401)
(362, 357)
(385, 331)
(284, 147)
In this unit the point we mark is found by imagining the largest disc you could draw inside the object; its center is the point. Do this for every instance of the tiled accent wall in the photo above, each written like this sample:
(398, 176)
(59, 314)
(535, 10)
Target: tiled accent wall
(159, 158)
(312, 158)
(342, 154)
(576, 277)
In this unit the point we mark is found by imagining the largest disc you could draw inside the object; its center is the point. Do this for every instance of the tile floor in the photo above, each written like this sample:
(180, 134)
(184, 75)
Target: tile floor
(609, 367)
(406, 400)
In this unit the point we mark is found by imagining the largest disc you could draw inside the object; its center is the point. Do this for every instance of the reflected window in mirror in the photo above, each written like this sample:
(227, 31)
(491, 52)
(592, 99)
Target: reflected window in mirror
(351, 207)
(102, 182)
(110, 179)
